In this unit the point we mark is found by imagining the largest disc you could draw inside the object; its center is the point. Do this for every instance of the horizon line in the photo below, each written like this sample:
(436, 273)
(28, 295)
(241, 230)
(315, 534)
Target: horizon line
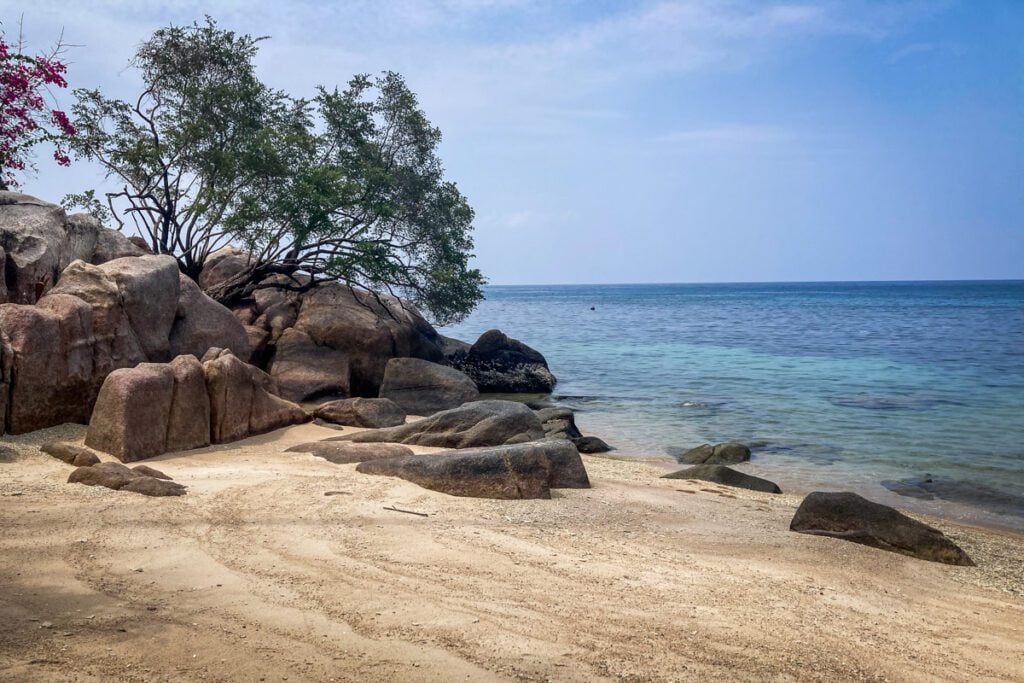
(760, 282)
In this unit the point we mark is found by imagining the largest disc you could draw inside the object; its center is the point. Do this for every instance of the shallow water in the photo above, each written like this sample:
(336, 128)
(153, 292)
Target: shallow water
(838, 385)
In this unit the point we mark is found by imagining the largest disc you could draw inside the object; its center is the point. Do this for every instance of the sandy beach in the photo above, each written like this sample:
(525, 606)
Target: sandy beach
(282, 566)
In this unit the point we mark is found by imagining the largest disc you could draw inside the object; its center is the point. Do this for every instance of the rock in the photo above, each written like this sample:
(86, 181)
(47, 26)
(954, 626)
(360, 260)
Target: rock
(147, 471)
(222, 265)
(81, 237)
(188, 425)
(721, 454)
(34, 242)
(305, 371)
(243, 401)
(111, 245)
(279, 317)
(591, 444)
(72, 454)
(420, 387)
(112, 475)
(928, 487)
(720, 474)
(152, 486)
(341, 453)
(149, 288)
(559, 422)
(131, 416)
(370, 330)
(853, 518)
(521, 471)
(201, 324)
(259, 345)
(499, 364)
(453, 348)
(481, 423)
(362, 412)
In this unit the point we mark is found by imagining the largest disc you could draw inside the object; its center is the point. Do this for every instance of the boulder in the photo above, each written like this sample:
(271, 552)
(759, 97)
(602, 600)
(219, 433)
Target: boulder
(591, 444)
(720, 474)
(453, 349)
(222, 265)
(528, 470)
(420, 387)
(81, 237)
(188, 424)
(72, 454)
(243, 400)
(147, 471)
(34, 242)
(149, 288)
(362, 412)
(499, 364)
(305, 371)
(345, 453)
(201, 323)
(721, 454)
(481, 423)
(112, 475)
(559, 422)
(152, 486)
(131, 416)
(110, 244)
(853, 518)
(370, 329)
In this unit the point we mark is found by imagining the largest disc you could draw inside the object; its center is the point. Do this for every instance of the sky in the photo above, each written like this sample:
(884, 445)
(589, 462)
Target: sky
(661, 141)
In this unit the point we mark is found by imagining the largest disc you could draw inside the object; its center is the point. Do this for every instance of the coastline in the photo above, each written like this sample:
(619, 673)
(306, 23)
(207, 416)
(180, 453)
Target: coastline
(256, 573)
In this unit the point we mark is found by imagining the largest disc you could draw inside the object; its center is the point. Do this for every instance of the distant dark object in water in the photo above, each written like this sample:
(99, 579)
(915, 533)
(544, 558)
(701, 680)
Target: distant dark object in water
(966, 492)
(592, 308)
(702, 408)
(890, 401)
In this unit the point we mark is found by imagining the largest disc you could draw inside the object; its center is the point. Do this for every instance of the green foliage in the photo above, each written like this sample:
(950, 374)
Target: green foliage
(347, 186)
(88, 202)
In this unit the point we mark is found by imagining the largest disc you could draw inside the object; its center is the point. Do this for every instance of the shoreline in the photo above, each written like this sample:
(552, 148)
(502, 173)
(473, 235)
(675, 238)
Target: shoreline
(256, 573)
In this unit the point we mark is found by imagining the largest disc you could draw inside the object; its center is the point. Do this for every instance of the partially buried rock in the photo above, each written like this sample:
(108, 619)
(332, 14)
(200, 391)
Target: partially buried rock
(148, 471)
(721, 454)
(72, 454)
(151, 486)
(420, 387)
(591, 444)
(853, 518)
(720, 474)
(114, 475)
(481, 423)
(511, 472)
(362, 412)
(342, 453)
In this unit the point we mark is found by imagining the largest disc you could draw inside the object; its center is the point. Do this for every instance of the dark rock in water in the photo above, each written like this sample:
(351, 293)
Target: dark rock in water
(499, 364)
(151, 486)
(344, 453)
(976, 495)
(148, 471)
(511, 472)
(362, 412)
(909, 402)
(420, 387)
(480, 423)
(591, 444)
(720, 474)
(72, 454)
(559, 422)
(853, 518)
(721, 454)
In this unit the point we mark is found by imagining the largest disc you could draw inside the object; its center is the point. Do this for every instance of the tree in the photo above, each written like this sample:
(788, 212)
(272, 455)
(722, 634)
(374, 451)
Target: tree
(25, 118)
(345, 187)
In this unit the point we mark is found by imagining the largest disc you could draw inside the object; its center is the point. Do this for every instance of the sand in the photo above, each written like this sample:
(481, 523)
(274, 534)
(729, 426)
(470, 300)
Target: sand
(256, 575)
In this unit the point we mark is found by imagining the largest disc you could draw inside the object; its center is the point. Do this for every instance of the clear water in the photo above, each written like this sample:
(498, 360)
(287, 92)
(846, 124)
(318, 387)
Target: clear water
(840, 386)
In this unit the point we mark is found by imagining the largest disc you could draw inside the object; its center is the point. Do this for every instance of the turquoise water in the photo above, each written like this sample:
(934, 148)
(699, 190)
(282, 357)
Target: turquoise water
(871, 387)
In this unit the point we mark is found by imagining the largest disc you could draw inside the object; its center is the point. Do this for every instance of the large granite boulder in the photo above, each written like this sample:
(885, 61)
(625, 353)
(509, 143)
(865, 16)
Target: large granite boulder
(149, 288)
(370, 329)
(341, 453)
(720, 474)
(201, 323)
(720, 454)
(420, 387)
(222, 265)
(188, 424)
(500, 364)
(853, 518)
(481, 423)
(244, 401)
(509, 472)
(34, 244)
(305, 371)
(369, 413)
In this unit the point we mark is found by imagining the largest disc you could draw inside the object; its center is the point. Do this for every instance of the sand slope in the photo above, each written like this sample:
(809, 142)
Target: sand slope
(257, 575)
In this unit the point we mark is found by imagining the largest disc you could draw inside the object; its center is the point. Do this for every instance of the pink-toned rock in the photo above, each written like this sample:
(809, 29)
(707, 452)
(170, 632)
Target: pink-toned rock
(222, 265)
(130, 419)
(304, 371)
(33, 238)
(243, 402)
(71, 453)
(202, 323)
(149, 288)
(188, 425)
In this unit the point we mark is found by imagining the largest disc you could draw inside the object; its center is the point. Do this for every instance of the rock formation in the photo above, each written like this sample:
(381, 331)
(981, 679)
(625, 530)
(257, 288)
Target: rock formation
(420, 387)
(499, 364)
(362, 412)
(720, 474)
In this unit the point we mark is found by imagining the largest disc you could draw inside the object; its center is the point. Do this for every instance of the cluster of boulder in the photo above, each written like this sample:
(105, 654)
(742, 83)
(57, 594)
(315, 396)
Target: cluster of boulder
(112, 475)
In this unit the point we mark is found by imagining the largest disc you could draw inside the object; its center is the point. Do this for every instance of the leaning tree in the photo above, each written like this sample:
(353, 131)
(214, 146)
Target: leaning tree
(345, 187)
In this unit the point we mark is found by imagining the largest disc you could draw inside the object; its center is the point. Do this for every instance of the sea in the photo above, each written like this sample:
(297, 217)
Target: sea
(908, 393)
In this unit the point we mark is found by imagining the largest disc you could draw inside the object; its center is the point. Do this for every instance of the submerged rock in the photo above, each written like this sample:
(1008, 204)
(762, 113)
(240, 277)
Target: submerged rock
(480, 423)
(721, 454)
(853, 518)
(720, 474)
(953, 490)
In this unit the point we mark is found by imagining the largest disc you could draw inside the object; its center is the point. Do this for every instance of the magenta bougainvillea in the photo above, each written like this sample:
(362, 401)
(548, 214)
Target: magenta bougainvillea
(25, 117)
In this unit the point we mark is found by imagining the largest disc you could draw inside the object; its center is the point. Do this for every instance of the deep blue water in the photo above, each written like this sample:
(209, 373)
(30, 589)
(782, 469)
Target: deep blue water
(837, 385)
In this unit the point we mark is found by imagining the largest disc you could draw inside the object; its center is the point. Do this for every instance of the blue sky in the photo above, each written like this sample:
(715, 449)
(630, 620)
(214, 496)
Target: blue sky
(671, 141)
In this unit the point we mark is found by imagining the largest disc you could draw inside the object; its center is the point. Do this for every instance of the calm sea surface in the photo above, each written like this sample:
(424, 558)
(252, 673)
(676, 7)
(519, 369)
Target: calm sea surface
(879, 388)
